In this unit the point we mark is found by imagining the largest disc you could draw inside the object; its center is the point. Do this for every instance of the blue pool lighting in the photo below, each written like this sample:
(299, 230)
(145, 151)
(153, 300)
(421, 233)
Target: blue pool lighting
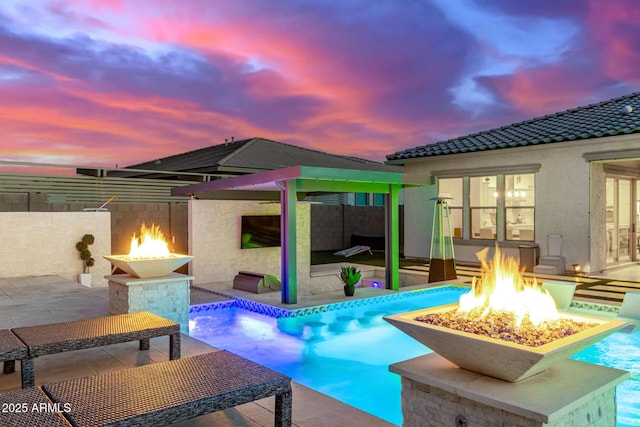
(344, 349)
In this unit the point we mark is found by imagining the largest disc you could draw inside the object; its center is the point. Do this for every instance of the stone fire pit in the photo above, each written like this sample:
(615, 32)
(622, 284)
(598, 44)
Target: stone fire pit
(497, 358)
(148, 267)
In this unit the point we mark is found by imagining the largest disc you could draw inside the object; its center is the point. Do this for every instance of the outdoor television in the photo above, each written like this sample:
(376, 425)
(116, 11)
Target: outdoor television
(260, 231)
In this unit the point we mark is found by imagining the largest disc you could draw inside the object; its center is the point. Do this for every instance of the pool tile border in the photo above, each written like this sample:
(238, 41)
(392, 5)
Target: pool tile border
(596, 307)
(277, 312)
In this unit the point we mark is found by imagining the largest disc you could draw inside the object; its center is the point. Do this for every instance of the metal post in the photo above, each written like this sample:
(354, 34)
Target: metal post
(392, 240)
(288, 250)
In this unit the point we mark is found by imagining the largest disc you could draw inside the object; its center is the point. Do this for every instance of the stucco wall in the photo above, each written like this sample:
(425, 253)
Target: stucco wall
(214, 242)
(563, 197)
(126, 218)
(43, 243)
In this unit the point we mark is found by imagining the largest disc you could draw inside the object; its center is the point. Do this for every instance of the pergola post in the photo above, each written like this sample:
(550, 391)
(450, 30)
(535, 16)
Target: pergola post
(392, 240)
(288, 249)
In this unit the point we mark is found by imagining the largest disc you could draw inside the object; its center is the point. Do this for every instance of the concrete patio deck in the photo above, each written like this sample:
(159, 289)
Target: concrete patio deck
(31, 301)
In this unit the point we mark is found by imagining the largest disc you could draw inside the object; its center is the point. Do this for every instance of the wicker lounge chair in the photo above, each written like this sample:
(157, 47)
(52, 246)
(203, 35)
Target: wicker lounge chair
(167, 392)
(67, 336)
(30, 407)
(11, 349)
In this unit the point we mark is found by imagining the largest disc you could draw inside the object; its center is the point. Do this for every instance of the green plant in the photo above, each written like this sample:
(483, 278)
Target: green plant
(85, 254)
(350, 275)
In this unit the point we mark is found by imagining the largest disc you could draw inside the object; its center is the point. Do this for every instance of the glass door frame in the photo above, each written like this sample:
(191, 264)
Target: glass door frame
(621, 219)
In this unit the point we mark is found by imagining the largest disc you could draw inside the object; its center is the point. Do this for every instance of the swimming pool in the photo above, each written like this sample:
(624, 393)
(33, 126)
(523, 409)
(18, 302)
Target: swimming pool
(344, 350)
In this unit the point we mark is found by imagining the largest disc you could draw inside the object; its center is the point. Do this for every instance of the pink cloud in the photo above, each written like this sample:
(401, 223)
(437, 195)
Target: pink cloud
(137, 82)
(614, 28)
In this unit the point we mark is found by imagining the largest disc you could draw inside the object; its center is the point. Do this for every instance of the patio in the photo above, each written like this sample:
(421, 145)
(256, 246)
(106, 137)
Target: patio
(29, 301)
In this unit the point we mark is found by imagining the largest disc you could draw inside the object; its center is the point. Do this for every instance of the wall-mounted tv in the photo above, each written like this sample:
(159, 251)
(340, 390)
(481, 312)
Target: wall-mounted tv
(260, 231)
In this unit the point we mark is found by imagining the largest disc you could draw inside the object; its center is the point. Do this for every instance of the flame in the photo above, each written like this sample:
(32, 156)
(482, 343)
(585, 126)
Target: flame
(502, 287)
(151, 243)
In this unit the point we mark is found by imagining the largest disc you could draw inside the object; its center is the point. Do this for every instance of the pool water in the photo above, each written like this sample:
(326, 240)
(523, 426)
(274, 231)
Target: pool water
(621, 351)
(344, 350)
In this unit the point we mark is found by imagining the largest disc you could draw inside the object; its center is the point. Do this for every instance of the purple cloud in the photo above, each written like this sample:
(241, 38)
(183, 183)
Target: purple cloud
(133, 81)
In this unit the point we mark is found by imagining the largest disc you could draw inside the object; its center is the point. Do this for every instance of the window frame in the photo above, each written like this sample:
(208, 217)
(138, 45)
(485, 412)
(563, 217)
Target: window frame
(501, 208)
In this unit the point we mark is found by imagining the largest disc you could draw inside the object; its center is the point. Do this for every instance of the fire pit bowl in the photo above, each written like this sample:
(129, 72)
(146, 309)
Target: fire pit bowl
(494, 357)
(148, 267)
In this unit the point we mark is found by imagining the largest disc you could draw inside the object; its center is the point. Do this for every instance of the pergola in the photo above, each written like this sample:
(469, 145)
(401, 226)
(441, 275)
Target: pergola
(291, 184)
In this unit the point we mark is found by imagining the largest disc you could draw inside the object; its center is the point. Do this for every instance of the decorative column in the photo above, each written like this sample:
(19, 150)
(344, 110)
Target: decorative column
(167, 296)
(435, 392)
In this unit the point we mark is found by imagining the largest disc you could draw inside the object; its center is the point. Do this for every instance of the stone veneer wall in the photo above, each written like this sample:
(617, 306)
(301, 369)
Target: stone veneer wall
(43, 243)
(424, 406)
(214, 242)
(167, 296)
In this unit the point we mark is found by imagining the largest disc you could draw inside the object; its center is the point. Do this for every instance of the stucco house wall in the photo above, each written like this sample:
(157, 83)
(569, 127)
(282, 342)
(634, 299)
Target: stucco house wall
(569, 196)
(214, 242)
(43, 244)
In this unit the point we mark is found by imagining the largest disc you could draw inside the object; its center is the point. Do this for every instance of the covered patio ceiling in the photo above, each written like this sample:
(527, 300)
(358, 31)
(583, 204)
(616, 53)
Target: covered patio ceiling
(291, 184)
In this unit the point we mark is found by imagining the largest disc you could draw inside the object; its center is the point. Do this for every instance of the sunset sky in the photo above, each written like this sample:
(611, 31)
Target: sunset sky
(106, 82)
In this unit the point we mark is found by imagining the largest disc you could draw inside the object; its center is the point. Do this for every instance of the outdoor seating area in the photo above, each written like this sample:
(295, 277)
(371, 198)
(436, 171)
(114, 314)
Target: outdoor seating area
(54, 338)
(158, 394)
(255, 396)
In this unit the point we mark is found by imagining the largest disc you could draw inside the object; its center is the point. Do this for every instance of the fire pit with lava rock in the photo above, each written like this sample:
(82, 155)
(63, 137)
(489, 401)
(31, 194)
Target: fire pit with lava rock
(149, 255)
(505, 327)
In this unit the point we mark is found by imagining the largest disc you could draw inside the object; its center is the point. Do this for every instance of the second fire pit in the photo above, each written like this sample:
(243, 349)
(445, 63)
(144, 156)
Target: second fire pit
(494, 357)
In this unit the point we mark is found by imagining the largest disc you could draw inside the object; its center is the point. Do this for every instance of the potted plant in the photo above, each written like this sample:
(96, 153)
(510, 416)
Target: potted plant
(87, 259)
(350, 276)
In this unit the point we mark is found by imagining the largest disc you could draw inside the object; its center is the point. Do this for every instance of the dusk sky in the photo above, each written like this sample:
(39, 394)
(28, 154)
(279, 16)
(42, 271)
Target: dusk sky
(106, 82)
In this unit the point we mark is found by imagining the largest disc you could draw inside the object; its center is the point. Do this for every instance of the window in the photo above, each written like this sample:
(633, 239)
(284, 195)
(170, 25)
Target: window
(519, 208)
(451, 188)
(491, 206)
(483, 203)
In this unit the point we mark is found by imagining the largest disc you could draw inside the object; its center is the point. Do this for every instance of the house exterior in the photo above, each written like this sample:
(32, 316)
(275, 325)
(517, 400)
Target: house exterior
(574, 173)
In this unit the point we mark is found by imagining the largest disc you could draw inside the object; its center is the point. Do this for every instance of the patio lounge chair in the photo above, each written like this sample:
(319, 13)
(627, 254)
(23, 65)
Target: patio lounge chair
(167, 392)
(353, 251)
(11, 349)
(80, 334)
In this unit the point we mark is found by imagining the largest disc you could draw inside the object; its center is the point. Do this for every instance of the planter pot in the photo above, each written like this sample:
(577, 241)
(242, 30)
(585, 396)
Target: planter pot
(349, 290)
(85, 279)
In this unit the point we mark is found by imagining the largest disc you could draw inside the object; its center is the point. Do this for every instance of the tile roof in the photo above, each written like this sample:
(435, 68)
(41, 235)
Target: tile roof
(256, 154)
(607, 118)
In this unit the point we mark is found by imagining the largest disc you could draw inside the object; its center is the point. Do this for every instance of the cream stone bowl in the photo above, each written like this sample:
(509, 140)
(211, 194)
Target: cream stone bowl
(149, 267)
(494, 357)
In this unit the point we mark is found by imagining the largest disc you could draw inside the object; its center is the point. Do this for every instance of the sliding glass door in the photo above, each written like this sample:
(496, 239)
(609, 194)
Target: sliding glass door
(621, 218)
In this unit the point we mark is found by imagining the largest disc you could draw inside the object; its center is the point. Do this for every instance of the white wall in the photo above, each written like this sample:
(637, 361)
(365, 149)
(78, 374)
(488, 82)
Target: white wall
(563, 196)
(43, 243)
(214, 242)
